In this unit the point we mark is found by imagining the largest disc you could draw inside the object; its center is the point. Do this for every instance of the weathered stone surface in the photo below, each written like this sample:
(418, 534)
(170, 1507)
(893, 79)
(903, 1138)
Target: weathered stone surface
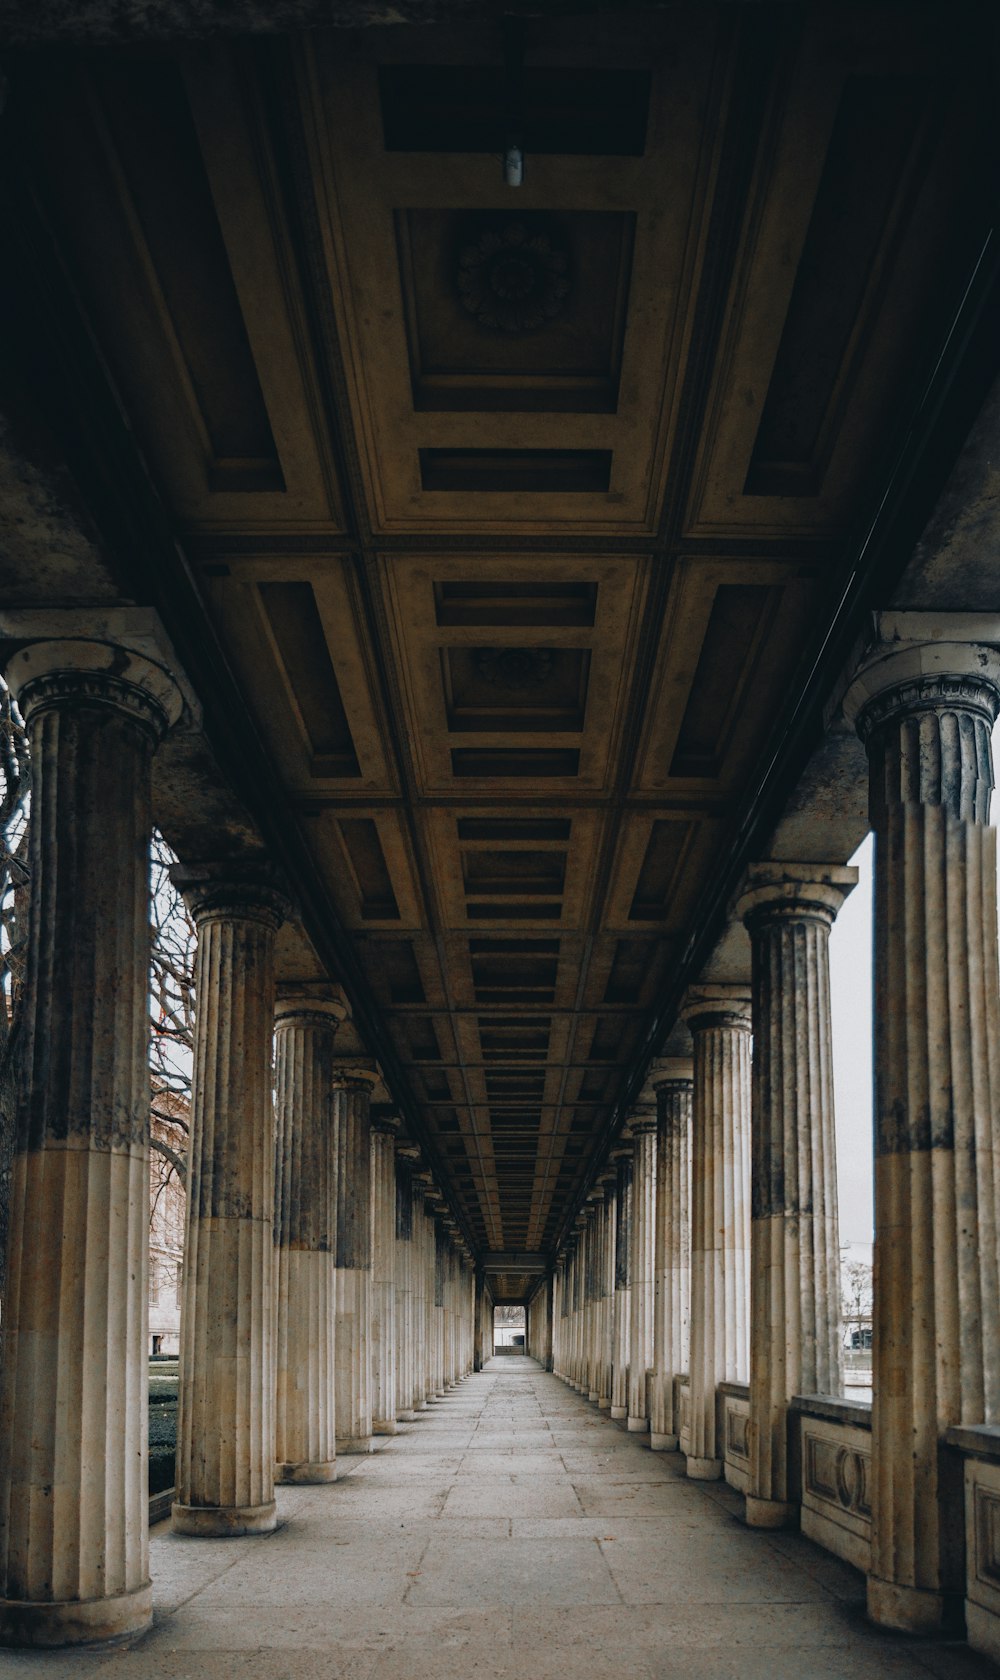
(305, 1237)
(795, 1341)
(73, 1431)
(718, 1016)
(642, 1126)
(673, 1081)
(383, 1312)
(353, 1084)
(622, 1301)
(925, 712)
(225, 1426)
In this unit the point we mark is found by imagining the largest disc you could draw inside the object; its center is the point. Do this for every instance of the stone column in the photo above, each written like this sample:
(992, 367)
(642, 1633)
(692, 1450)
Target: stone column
(579, 1304)
(925, 713)
(405, 1363)
(383, 1319)
(353, 1083)
(642, 1126)
(673, 1082)
(795, 1345)
(595, 1207)
(606, 1287)
(439, 1242)
(719, 1019)
(477, 1355)
(622, 1301)
(73, 1499)
(424, 1294)
(225, 1425)
(559, 1320)
(305, 1209)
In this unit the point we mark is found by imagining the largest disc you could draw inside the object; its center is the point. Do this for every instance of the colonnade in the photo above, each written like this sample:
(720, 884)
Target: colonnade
(722, 1211)
(326, 1291)
(328, 1294)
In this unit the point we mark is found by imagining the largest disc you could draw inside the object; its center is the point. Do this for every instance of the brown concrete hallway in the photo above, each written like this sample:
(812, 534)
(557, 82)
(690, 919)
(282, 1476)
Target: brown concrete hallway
(511, 1531)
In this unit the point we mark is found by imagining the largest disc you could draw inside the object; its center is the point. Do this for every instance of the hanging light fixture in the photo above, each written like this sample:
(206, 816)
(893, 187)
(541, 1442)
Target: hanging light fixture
(513, 101)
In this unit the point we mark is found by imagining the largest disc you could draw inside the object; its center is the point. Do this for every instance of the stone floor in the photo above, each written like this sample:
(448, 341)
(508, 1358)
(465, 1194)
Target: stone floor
(512, 1532)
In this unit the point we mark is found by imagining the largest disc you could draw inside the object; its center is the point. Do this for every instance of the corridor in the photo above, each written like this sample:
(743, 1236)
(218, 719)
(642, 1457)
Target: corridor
(511, 1531)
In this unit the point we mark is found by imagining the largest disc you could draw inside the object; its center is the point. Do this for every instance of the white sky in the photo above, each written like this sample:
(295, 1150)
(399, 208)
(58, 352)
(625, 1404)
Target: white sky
(851, 1004)
(851, 1001)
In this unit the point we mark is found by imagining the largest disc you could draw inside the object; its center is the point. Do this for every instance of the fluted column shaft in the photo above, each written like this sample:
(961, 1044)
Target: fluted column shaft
(405, 1364)
(719, 1019)
(305, 1209)
(352, 1088)
(225, 1424)
(643, 1128)
(795, 1240)
(622, 1300)
(478, 1350)
(671, 1348)
(439, 1260)
(419, 1293)
(607, 1291)
(383, 1320)
(926, 714)
(73, 1440)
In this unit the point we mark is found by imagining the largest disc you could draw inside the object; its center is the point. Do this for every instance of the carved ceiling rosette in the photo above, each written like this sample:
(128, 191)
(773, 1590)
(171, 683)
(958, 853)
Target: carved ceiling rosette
(515, 276)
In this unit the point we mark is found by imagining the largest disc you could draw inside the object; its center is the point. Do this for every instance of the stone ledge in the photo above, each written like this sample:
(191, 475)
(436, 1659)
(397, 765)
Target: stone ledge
(978, 1440)
(857, 1413)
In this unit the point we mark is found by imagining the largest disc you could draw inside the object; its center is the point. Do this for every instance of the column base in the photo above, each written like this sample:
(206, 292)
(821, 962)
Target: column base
(604, 1404)
(406, 1417)
(619, 1412)
(305, 1473)
(223, 1521)
(907, 1609)
(81, 1621)
(592, 1395)
(356, 1444)
(770, 1513)
(662, 1443)
(420, 1405)
(383, 1426)
(704, 1469)
(638, 1425)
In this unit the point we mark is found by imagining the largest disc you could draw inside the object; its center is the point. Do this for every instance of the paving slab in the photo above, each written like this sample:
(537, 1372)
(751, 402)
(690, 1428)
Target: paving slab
(511, 1532)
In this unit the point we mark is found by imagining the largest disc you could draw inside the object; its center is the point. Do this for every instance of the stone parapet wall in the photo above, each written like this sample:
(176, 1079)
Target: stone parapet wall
(832, 1447)
(980, 1447)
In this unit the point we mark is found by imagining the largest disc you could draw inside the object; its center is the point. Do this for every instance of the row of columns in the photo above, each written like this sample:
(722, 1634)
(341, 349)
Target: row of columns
(710, 1248)
(73, 1561)
(325, 1292)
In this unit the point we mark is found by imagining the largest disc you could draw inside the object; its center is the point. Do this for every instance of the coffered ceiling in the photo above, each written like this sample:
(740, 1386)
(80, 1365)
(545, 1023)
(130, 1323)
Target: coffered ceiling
(517, 512)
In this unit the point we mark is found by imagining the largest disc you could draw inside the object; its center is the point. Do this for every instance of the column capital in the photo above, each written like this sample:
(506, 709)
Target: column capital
(927, 662)
(668, 1071)
(717, 1005)
(387, 1125)
(641, 1120)
(409, 1152)
(304, 1007)
(238, 889)
(355, 1075)
(792, 892)
(74, 671)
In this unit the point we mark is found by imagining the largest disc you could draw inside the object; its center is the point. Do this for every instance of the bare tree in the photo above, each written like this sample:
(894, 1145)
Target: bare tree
(171, 1039)
(856, 1287)
(15, 782)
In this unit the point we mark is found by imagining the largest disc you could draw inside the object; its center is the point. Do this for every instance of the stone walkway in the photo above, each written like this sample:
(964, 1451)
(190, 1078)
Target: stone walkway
(511, 1533)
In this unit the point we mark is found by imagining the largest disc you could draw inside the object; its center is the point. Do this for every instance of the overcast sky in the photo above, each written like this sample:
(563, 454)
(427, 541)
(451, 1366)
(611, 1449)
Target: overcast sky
(851, 1001)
